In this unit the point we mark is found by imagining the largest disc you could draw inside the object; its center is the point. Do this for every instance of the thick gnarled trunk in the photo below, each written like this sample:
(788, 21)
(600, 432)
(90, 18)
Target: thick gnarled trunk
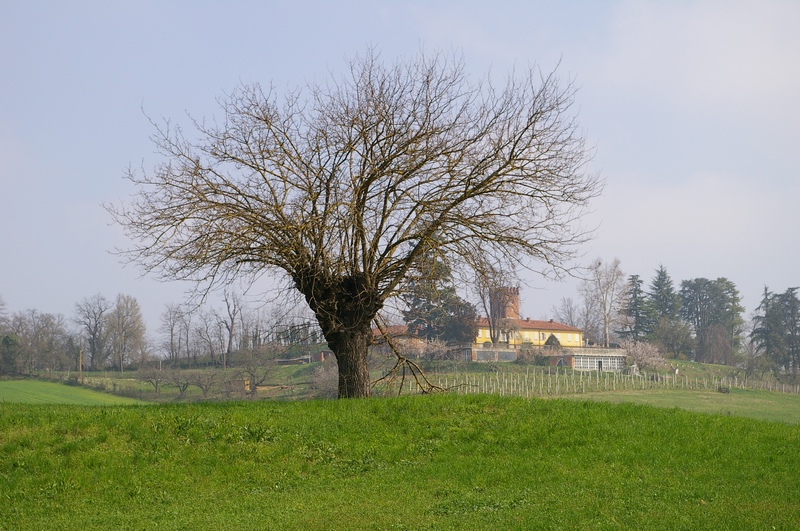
(344, 308)
(351, 351)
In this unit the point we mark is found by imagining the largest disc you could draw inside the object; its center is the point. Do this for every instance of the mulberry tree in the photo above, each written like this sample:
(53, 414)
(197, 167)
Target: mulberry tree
(340, 186)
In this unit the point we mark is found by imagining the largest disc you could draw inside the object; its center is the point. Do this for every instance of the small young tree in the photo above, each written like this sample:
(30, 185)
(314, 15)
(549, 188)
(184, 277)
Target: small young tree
(203, 379)
(255, 365)
(179, 379)
(326, 379)
(154, 377)
(644, 355)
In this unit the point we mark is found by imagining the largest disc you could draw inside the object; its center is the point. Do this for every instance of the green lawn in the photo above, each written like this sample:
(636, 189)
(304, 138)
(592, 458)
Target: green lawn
(432, 462)
(38, 392)
(763, 405)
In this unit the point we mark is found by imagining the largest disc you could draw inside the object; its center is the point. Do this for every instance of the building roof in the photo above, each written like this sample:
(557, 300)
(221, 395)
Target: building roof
(392, 331)
(532, 324)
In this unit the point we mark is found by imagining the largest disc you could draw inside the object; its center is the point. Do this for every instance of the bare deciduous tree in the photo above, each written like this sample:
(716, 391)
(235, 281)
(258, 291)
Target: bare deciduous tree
(154, 377)
(233, 307)
(171, 330)
(204, 379)
(581, 316)
(495, 292)
(604, 290)
(341, 186)
(180, 380)
(91, 315)
(126, 331)
(209, 336)
(42, 339)
(3, 316)
(567, 312)
(325, 381)
(256, 364)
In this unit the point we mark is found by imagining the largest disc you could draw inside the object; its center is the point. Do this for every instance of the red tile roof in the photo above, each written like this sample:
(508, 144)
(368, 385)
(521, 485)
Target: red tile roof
(532, 324)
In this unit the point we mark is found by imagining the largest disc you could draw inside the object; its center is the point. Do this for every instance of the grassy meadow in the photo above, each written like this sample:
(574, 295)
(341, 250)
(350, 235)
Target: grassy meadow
(762, 405)
(424, 462)
(43, 392)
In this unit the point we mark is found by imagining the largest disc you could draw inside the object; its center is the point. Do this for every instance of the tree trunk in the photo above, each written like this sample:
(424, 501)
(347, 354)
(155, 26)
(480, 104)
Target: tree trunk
(344, 307)
(351, 350)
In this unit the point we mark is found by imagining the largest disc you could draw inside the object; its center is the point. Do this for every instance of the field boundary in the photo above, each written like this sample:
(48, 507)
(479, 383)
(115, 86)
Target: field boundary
(547, 382)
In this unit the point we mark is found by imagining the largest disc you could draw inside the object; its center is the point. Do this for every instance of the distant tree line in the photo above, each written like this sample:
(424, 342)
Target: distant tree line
(101, 334)
(105, 334)
(701, 320)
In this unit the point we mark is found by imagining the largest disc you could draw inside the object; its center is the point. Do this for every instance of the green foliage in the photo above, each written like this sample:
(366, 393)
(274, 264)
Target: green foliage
(675, 337)
(436, 462)
(664, 301)
(434, 308)
(639, 317)
(713, 309)
(9, 350)
(776, 333)
(552, 342)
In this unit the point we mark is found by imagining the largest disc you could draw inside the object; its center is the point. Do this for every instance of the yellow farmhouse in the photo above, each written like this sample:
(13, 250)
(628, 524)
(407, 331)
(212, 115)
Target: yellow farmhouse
(515, 332)
(529, 333)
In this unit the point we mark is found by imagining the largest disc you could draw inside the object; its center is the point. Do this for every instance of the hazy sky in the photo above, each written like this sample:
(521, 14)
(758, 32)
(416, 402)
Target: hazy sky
(693, 109)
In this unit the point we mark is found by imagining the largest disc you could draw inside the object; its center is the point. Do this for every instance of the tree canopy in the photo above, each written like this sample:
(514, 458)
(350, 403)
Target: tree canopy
(776, 333)
(434, 310)
(342, 185)
(713, 309)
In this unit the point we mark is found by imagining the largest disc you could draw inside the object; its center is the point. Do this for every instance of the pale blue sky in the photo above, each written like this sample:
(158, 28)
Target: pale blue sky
(692, 107)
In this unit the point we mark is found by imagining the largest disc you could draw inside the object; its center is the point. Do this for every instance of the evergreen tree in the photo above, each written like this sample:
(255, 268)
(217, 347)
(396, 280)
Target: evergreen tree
(664, 301)
(776, 333)
(713, 310)
(638, 320)
(9, 349)
(668, 329)
(434, 310)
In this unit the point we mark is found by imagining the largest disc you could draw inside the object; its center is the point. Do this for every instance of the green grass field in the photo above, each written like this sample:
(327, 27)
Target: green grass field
(38, 392)
(433, 462)
(762, 405)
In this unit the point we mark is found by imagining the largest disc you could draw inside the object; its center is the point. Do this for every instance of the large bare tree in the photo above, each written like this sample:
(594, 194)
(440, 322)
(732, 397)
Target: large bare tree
(126, 328)
(91, 315)
(496, 289)
(603, 290)
(340, 186)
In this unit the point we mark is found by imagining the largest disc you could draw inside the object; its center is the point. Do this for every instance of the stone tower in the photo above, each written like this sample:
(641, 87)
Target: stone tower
(504, 303)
